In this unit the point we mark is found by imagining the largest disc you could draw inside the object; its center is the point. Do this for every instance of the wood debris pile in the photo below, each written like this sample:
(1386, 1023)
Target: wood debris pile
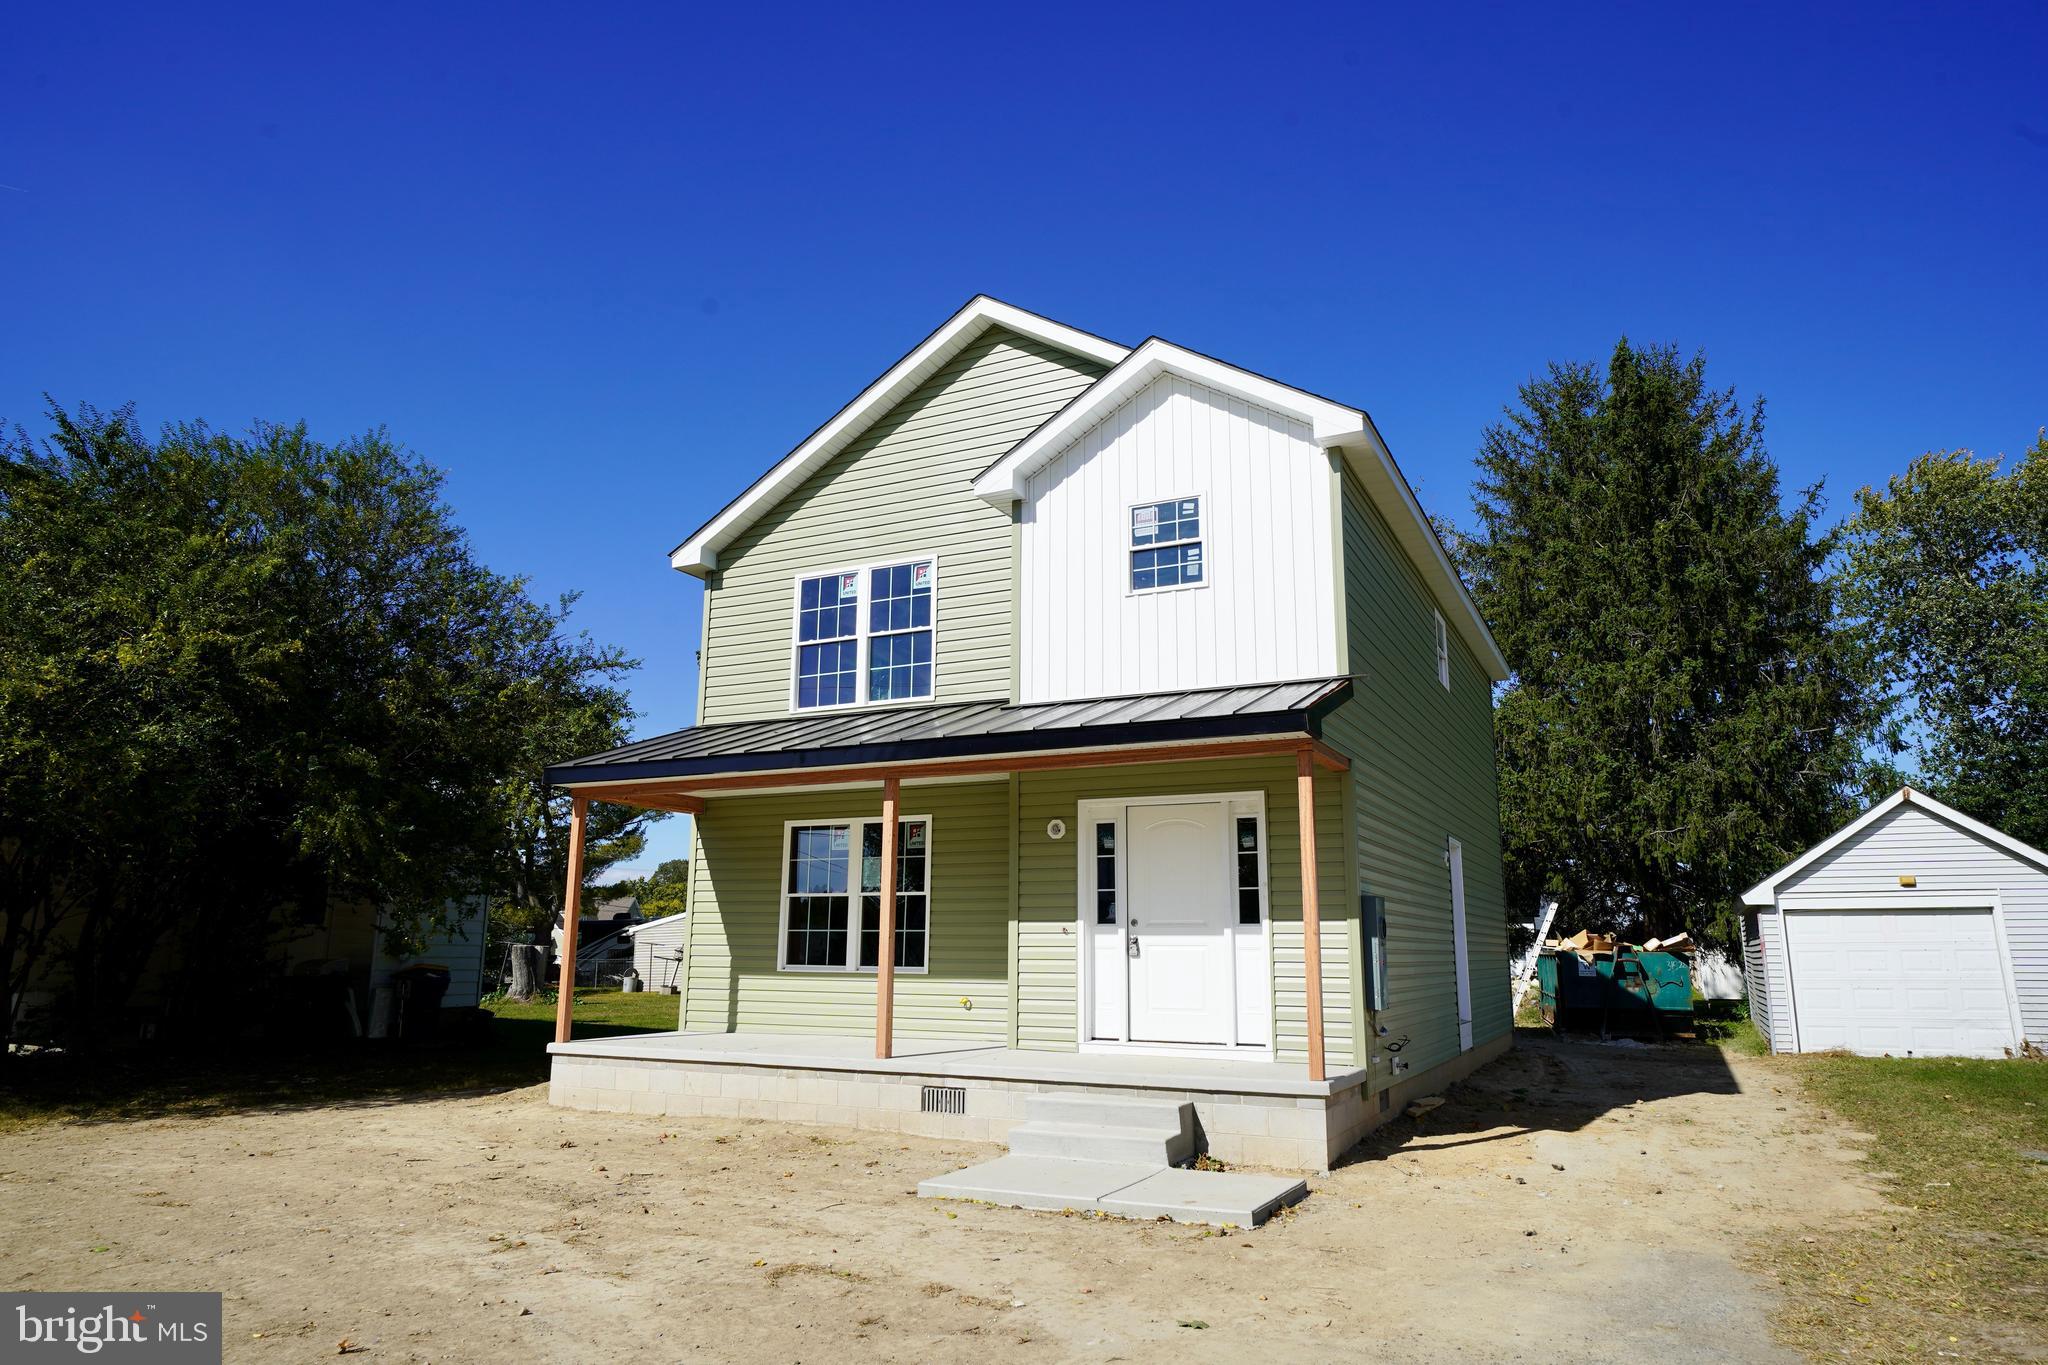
(1589, 945)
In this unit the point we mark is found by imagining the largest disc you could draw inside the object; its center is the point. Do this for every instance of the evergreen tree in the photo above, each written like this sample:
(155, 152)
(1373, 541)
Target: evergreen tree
(1683, 715)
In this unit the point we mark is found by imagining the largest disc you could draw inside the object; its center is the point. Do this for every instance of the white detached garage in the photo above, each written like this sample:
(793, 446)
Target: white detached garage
(1915, 930)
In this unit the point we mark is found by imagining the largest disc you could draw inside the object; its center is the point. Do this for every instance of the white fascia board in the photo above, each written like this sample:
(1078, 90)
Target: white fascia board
(699, 554)
(1002, 483)
(1765, 892)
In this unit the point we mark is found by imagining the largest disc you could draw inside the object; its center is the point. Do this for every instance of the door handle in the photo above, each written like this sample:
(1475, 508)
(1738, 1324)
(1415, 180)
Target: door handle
(1133, 949)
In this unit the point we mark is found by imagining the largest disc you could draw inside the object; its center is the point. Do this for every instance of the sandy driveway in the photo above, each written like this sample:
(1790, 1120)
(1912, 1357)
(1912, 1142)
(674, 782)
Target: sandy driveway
(495, 1228)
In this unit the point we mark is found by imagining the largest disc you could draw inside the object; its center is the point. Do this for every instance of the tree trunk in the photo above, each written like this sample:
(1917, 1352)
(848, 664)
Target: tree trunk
(522, 982)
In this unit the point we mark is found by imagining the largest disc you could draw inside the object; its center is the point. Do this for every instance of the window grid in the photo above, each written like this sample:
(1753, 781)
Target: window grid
(1248, 884)
(1166, 544)
(1105, 872)
(865, 635)
(828, 647)
(818, 935)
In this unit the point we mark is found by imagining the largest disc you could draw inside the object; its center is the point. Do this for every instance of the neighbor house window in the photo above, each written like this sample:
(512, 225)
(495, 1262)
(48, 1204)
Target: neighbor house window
(818, 928)
(1250, 888)
(1166, 544)
(1443, 652)
(865, 634)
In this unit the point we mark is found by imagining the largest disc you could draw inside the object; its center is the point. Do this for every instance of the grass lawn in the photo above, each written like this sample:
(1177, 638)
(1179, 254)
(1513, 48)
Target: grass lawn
(503, 1047)
(1961, 1268)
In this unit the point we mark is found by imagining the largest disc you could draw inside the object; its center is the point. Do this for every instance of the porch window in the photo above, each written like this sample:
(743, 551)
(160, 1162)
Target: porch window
(865, 635)
(1250, 887)
(1105, 872)
(1166, 544)
(817, 896)
(911, 895)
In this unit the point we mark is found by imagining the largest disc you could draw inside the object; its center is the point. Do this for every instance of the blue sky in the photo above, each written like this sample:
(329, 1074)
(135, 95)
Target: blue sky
(604, 268)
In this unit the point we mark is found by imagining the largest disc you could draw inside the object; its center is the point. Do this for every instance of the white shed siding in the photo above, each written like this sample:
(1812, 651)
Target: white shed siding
(459, 947)
(1266, 612)
(1943, 860)
(1758, 990)
(1770, 930)
(656, 949)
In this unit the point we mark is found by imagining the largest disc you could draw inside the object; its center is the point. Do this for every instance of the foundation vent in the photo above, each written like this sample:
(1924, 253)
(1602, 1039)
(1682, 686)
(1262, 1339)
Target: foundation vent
(944, 1099)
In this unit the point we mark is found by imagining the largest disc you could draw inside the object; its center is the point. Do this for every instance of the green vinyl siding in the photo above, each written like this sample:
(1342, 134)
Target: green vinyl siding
(1422, 772)
(1048, 878)
(903, 488)
(731, 979)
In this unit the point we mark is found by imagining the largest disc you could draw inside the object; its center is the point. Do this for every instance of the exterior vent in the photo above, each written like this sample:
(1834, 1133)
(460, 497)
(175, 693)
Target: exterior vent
(944, 1099)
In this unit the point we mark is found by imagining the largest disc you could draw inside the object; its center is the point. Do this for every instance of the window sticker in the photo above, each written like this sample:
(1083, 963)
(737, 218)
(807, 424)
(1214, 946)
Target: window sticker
(921, 577)
(849, 584)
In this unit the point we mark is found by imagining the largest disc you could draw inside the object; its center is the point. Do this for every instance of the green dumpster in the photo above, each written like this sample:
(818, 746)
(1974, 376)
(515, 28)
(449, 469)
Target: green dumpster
(1625, 991)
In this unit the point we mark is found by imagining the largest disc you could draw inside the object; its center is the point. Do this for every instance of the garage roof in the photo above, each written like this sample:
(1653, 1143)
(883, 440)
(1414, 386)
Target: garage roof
(1766, 892)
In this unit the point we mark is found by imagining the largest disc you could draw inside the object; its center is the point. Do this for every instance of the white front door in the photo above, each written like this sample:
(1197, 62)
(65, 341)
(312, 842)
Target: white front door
(1181, 908)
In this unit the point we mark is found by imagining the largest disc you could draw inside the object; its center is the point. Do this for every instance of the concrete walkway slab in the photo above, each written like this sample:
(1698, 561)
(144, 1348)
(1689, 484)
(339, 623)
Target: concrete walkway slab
(1057, 1183)
(1207, 1197)
(1037, 1182)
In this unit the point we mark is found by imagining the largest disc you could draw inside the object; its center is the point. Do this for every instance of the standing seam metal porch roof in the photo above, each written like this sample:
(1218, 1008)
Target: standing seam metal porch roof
(970, 729)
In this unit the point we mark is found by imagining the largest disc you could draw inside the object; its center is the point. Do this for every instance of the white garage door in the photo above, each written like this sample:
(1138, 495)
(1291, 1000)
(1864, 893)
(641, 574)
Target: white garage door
(1926, 982)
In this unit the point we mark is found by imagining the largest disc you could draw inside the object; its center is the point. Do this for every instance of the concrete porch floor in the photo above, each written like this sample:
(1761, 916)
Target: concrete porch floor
(1257, 1112)
(975, 1061)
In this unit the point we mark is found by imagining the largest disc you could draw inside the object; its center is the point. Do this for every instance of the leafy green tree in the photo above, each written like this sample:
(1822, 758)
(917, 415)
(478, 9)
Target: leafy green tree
(244, 676)
(666, 892)
(1683, 714)
(1946, 569)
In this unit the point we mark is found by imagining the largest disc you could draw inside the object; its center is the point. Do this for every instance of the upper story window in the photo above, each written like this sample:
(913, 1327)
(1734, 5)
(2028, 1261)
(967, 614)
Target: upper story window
(1166, 544)
(1443, 652)
(865, 634)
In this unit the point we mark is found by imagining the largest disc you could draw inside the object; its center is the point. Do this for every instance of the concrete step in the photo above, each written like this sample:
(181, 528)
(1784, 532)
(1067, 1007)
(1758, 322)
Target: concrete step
(1151, 1146)
(1130, 1191)
(1085, 1110)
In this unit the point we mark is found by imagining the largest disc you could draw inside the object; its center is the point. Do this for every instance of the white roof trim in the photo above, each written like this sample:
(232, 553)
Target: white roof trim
(1333, 426)
(699, 554)
(1766, 892)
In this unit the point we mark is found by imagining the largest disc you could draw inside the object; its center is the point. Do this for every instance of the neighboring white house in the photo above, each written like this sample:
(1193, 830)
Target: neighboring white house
(1913, 931)
(658, 952)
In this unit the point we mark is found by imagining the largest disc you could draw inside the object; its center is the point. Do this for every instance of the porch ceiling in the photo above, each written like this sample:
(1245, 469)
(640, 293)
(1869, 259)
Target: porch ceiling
(836, 745)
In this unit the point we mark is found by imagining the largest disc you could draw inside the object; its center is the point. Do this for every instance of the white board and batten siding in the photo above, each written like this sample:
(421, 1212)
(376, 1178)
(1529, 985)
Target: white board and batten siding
(1956, 964)
(1266, 610)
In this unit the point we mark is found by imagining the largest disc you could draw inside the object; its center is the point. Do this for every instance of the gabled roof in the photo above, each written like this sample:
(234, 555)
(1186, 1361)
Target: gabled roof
(1766, 892)
(1333, 426)
(699, 554)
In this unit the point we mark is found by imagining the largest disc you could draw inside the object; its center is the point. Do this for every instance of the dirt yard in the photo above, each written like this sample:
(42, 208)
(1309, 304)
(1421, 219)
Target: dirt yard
(1571, 1202)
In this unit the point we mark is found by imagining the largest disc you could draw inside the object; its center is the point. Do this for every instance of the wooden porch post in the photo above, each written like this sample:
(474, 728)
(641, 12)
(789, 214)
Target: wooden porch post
(885, 950)
(1311, 909)
(572, 910)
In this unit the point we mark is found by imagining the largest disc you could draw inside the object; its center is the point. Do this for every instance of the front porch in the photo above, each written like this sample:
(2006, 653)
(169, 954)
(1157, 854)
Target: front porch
(1247, 1112)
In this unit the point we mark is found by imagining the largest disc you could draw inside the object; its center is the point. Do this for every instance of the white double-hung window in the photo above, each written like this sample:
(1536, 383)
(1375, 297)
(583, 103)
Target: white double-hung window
(865, 634)
(819, 930)
(1166, 544)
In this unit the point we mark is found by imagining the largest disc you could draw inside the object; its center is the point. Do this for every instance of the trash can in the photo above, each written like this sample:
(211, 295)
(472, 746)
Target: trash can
(420, 988)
